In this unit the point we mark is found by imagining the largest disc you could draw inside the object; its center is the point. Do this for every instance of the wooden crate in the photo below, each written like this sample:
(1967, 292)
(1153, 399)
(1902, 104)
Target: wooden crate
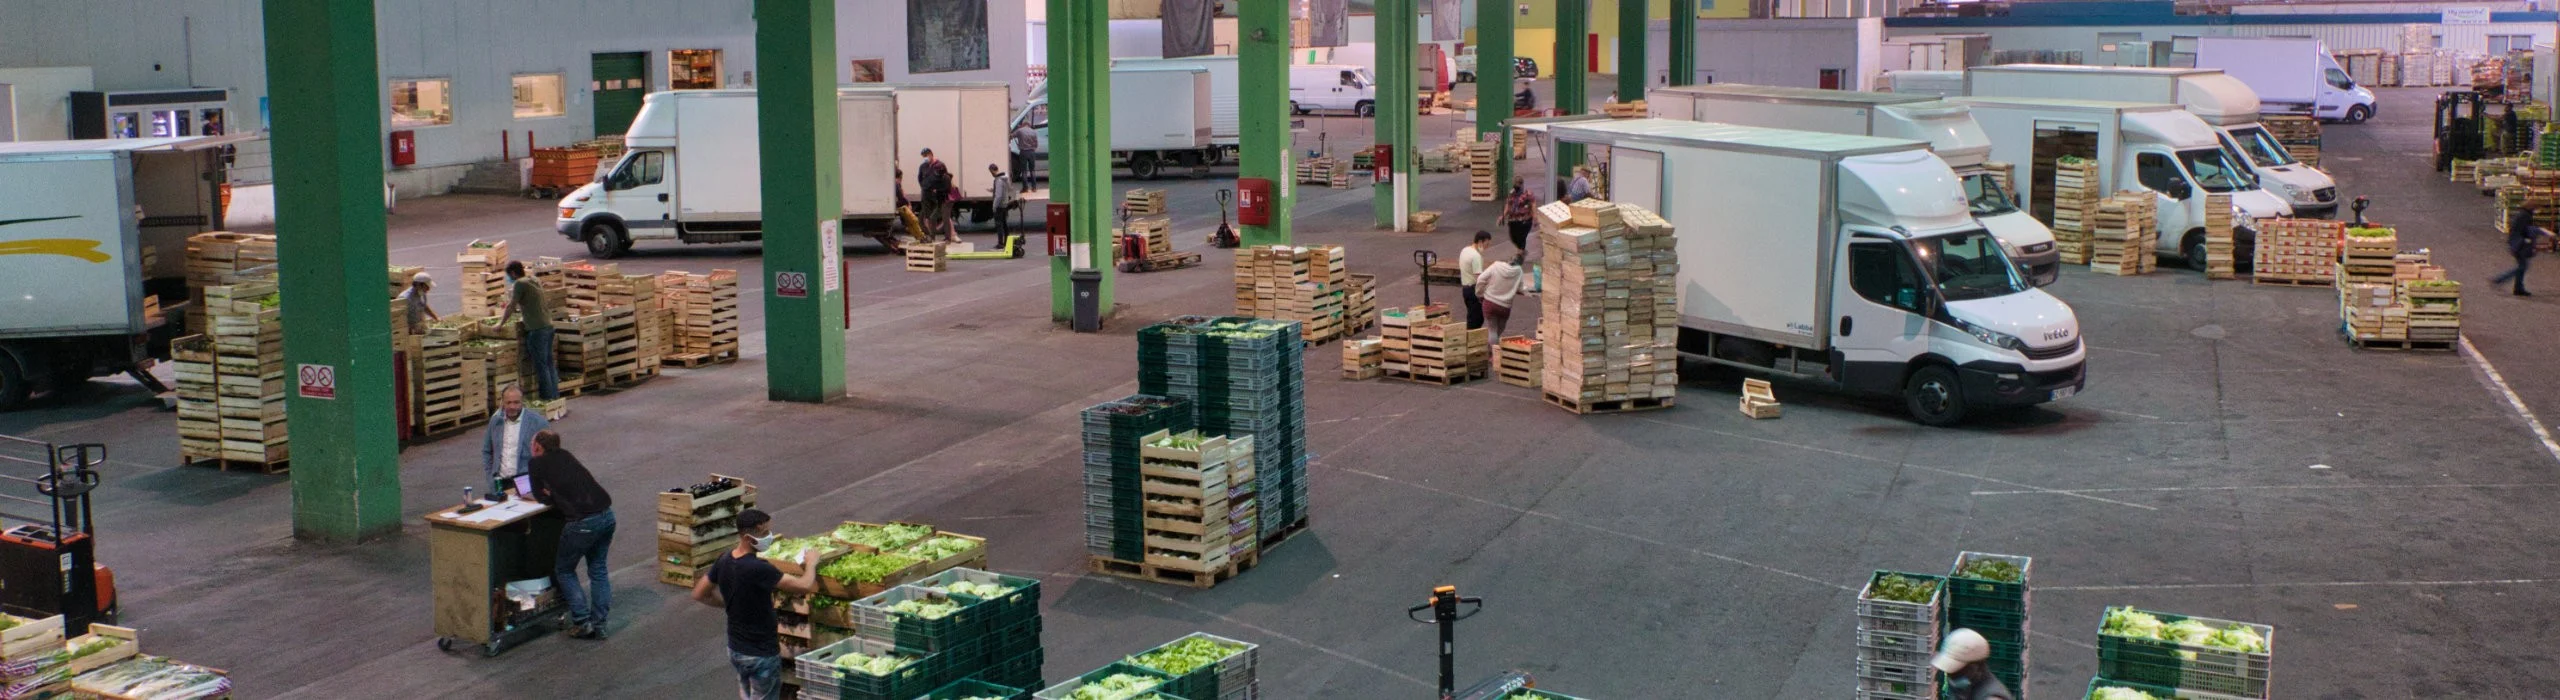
(926, 257)
(1758, 401)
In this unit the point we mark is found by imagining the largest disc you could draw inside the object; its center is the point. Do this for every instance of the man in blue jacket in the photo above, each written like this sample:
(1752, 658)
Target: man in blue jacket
(506, 452)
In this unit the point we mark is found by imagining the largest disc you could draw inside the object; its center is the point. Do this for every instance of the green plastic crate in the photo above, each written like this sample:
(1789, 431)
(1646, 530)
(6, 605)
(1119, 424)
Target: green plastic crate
(1066, 690)
(966, 688)
(2163, 693)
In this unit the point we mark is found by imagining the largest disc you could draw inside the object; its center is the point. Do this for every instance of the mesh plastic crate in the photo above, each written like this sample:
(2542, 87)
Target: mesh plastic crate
(1020, 671)
(818, 667)
(1984, 588)
(2190, 656)
(967, 688)
(1066, 690)
(1880, 688)
(1925, 642)
(1235, 670)
(1004, 611)
(874, 618)
(2164, 693)
(2184, 679)
(1897, 610)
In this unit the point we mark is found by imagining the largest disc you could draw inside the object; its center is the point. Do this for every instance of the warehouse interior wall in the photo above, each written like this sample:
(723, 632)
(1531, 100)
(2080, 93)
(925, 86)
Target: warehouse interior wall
(1535, 28)
(40, 100)
(863, 27)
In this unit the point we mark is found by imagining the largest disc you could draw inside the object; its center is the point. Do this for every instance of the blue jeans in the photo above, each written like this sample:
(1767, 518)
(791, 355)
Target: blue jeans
(586, 539)
(546, 362)
(759, 677)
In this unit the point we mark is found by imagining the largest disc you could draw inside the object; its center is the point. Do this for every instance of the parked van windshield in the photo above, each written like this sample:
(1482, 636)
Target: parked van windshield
(1983, 193)
(1968, 266)
(2213, 170)
(2262, 146)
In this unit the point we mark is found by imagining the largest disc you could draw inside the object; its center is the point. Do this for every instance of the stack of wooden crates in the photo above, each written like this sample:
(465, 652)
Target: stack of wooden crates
(2219, 259)
(1609, 312)
(2076, 193)
(246, 335)
(2298, 251)
(484, 278)
(2122, 233)
(1143, 202)
(1480, 170)
(221, 258)
(1520, 361)
(706, 316)
(694, 529)
(1311, 285)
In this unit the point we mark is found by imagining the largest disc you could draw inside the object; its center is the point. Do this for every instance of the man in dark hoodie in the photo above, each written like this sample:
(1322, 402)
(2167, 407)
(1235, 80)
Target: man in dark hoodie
(2522, 235)
(561, 482)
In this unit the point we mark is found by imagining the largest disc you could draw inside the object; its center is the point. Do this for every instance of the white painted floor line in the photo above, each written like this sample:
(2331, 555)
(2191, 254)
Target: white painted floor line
(2285, 487)
(1880, 460)
(2307, 584)
(1221, 617)
(1596, 528)
(2517, 402)
(2144, 416)
(2122, 350)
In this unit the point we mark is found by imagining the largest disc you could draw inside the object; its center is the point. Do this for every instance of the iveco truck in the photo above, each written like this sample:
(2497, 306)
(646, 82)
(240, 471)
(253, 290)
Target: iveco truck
(693, 172)
(2298, 72)
(1165, 113)
(2219, 99)
(2158, 148)
(1948, 128)
(1846, 260)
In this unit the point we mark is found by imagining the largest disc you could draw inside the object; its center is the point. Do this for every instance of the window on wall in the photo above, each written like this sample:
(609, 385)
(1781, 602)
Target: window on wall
(421, 102)
(540, 95)
(2500, 44)
(693, 69)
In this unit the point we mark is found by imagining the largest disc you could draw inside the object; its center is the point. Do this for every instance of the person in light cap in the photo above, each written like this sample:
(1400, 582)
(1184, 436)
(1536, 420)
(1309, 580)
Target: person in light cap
(1961, 657)
(418, 311)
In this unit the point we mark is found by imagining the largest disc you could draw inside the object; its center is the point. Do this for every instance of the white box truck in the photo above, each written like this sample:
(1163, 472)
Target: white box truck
(2152, 147)
(966, 124)
(1165, 112)
(88, 231)
(2210, 94)
(2296, 72)
(692, 172)
(1845, 260)
(1948, 128)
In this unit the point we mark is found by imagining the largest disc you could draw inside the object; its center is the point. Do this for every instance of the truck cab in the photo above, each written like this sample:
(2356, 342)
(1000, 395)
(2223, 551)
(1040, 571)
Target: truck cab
(2220, 99)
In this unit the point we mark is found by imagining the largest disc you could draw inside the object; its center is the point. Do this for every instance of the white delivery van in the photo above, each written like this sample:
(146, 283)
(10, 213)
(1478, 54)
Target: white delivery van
(1165, 112)
(692, 172)
(91, 230)
(1847, 260)
(2138, 146)
(1948, 128)
(2210, 94)
(1332, 88)
(2294, 72)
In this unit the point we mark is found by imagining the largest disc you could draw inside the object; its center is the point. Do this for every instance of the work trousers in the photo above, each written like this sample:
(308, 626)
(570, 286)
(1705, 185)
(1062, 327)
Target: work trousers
(587, 539)
(1475, 306)
(538, 349)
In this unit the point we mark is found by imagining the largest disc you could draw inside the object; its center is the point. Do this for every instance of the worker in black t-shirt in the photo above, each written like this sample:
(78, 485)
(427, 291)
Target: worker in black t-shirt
(743, 584)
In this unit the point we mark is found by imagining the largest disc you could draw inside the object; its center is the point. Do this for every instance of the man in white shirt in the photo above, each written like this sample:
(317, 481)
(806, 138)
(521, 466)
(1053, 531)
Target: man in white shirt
(506, 452)
(1471, 266)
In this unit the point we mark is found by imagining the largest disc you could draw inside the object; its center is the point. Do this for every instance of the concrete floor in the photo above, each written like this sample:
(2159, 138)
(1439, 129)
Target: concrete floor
(2231, 458)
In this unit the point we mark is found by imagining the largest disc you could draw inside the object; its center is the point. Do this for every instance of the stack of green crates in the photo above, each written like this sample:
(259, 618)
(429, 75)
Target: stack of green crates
(966, 689)
(1243, 376)
(1009, 654)
(1232, 677)
(2547, 152)
(2188, 667)
(1114, 500)
(1995, 609)
(1067, 690)
(820, 677)
(989, 638)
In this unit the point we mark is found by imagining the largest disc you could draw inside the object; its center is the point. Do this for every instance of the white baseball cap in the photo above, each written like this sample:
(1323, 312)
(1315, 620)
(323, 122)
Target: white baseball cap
(1962, 648)
(422, 277)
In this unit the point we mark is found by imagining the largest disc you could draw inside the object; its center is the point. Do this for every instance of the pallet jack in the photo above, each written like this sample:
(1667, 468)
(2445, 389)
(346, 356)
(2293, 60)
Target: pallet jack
(1225, 237)
(1133, 252)
(1445, 612)
(48, 563)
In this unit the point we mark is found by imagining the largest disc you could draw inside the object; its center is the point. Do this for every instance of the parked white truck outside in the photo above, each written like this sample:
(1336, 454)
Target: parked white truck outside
(1846, 260)
(1948, 128)
(2158, 148)
(2296, 72)
(1165, 112)
(692, 172)
(76, 220)
(2210, 94)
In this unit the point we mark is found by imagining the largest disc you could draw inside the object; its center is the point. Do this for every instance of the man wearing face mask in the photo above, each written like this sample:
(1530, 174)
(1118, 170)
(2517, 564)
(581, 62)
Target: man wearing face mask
(743, 584)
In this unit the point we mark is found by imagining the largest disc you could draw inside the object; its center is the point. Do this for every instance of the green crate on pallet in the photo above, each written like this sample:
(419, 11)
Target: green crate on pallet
(1966, 591)
(2183, 665)
(2160, 692)
(1020, 600)
(879, 618)
(1219, 677)
(818, 668)
(1020, 671)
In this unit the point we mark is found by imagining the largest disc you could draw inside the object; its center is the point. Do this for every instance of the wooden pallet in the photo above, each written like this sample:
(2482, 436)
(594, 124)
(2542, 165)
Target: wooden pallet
(690, 360)
(212, 462)
(1284, 535)
(2416, 345)
(1236, 565)
(2292, 281)
(1619, 406)
(1454, 378)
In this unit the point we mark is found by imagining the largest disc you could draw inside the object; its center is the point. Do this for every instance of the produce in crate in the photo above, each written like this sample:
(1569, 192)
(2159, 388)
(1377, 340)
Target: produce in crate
(2121, 694)
(979, 590)
(926, 608)
(882, 537)
(789, 548)
(2128, 622)
(1118, 686)
(861, 566)
(707, 488)
(1898, 588)
(869, 665)
(1991, 570)
(1181, 657)
(938, 547)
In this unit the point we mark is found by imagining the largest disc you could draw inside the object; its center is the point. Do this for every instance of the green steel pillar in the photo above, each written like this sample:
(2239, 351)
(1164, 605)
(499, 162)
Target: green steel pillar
(1395, 36)
(1632, 76)
(1493, 83)
(1573, 73)
(803, 200)
(331, 249)
(1080, 146)
(1683, 66)
(1262, 81)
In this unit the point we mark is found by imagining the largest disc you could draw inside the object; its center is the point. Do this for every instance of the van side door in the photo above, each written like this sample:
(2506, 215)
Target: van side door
(641, 190)
(1880, 306)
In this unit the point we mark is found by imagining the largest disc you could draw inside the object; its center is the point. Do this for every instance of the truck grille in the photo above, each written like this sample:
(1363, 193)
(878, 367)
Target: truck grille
(2325, 194)
(2036, 248)
(2053, 353)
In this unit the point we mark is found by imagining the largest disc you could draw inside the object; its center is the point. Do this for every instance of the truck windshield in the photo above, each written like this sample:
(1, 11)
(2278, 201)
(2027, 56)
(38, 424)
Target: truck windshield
(1983, 193)
(2212, 170)
(2262, 146)
(1968, 265)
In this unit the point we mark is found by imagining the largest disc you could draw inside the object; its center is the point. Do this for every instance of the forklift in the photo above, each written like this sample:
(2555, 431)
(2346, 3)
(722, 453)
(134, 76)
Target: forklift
(2464, 125)
(48, 552)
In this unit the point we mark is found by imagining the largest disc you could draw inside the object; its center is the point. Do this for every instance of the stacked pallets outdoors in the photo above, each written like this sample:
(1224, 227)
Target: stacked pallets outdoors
(1481, 157)
(1520, 361)
(484, 278)
(2297, 251)
(1364, 358)
(1310, 285)
(1999, 610)
(2122, 232)
(246, 338)
(2219, 260)
(220, 258)
(452, 388)
(2076, 194)
(1398, 340)
(696, 523)
(1896, 640)
(707, 324)
(2435, 308)
(1243, 378)
(1608, 314)
(1114, 488)
(1143, 202)
(2299, 133)
(2368, 256)
(2187, 668)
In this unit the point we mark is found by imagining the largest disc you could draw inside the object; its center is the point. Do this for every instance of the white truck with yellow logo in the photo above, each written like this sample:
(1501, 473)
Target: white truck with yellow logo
(88, 230)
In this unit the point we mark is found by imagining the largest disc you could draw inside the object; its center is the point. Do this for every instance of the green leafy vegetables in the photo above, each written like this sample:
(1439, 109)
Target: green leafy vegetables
(2128, 622)
(938, 547)
(882, 537)
(1181, 657)
(2369, 232)
(980, 590)
(1991, 570)
(869, 665)
(1902, 589)
(2121, 694)
(94, 646)
(859, 566)
(927, 608)
(1117, 686)
(789, 548)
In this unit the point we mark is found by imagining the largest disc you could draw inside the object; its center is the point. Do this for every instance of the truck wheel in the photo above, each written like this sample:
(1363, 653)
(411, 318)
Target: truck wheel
(2193, 249)
(1144, 166)
(1366, 109)
(605, 241)
(1466, 77)
(13, 383)
(1295, 109)
(1934, 396)
(2357, 114)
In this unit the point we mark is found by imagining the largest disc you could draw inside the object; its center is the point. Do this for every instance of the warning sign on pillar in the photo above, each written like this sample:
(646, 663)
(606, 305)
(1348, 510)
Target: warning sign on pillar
(317, 382)
(791, 285)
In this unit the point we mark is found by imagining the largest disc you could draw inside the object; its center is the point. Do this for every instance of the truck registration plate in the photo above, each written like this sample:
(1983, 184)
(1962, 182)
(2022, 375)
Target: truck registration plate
(2064, 393)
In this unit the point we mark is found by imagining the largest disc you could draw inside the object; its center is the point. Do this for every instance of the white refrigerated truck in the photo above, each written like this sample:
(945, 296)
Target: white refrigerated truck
(88, 231)
(2298, 72)
(1165, 112)
(1948, 128)
(2212, 95)
(2152, 147)
(1846, 260)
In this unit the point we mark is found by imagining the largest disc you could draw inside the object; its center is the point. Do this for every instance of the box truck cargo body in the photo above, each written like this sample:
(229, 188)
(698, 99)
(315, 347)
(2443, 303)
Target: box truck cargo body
(1163, 114)
(89, 230)
(2157, 148)
(693, 172)
(2210, 94)
(1948, 128)
(1846, 260)
(2296, 72)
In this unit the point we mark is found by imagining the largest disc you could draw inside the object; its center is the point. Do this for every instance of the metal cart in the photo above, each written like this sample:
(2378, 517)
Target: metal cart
(473, 554)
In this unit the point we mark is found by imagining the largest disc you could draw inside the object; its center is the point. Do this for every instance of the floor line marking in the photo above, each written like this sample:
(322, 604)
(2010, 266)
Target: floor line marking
(2473, 355)
(1596, 528)
(2122, 350)
(2276, 487)
(1880, 460)
(2305, 584)
(2144, 416)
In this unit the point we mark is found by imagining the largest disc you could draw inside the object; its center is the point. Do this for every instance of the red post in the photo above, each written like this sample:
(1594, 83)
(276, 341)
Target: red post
(506, 142)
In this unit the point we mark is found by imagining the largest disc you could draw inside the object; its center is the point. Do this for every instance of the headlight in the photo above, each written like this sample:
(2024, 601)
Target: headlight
(1991, 337)
(568, 212)
(2290, 190)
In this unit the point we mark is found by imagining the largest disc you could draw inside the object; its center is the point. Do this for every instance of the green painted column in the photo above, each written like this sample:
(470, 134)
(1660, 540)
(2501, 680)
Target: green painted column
(1080, 146)
(1493, 82)
(803, 200)
(1573, 74)
(1633, 78)
(1396, 24)
(1684, 42)
(331, 249)
(1262, 81)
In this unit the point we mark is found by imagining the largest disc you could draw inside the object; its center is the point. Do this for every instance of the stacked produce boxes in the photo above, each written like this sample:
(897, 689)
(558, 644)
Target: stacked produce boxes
(1143, 202)
(1205, 666)
(2122, 234)
(221, 258)
(580, 343)
(199, 413)
(1310, 285)
(1243, 377)
(1988, 593)
(622, 344)
(1360, 309)
(1363, 358)
(2186, 653)
(1898, 617)
(1609, 308)
(504, 360)
(484, 278)
(2076, 191)
(696, 523)
(1396, 337)
(452, 387)
(1522, 361)
(930, 257)
(2435, 308)
(1199, 509)
(586, 285)
(2373, 313)
(1010, 655)
(958, 625)
(1480, 161)
(2298, 251)
(248, 367)
(2300, 135)
(2369, 257)
(1114, 497)
(2219, 258)
(708, 330)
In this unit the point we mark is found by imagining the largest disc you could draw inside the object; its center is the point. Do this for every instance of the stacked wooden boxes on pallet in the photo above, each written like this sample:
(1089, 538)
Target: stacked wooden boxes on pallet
(1364, 358)
(1609, 311)
(2435, 307)
(2220, 262)
(1114, 488)
(2298, 251)
(1199, 514)
(1481, 157)
(579, 343)
(696, 523)
(1396, 335)
(708, 331)
(1898, 617)
(2122, 233)
(503, 358)
(199, 414)
(622, 344)
(2076, 193)
(249, 375)
(1310, 285)
(452, 388)
(1143, 202)
(2299, 134)
(2369, 257)
(484, 278)
(1360, 304)
(220, 258)
(1521, 362)
(587, 285)
(2373, 312)
(1243, 377)
(2538, 188)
